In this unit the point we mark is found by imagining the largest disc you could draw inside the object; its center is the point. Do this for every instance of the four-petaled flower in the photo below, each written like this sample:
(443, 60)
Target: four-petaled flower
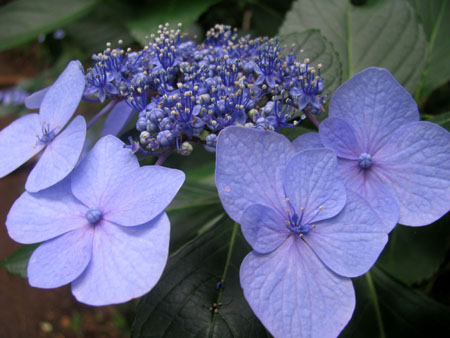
(307, 233)
(104, 227)
(28, 135)
(399, 164)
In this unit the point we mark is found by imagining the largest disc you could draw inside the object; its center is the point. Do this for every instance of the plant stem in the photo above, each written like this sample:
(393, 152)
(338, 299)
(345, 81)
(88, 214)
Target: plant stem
(163, 157)
(102, 112)
(313, 119)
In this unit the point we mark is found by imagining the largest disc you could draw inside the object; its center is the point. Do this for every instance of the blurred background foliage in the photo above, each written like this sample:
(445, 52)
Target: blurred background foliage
(407, 293)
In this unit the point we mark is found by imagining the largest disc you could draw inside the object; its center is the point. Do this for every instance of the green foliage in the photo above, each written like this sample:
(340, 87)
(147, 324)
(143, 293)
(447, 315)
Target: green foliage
(442, 119)
(17, 263)
(386, 308)
(383, 33)
(182, 303)
(23, 20)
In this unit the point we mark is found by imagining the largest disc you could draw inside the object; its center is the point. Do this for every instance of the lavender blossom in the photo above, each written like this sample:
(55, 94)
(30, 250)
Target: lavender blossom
(308, 235)
(104, 227)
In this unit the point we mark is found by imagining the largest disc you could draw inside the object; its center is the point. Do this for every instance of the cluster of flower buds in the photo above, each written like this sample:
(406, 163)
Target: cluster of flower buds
(184, 91)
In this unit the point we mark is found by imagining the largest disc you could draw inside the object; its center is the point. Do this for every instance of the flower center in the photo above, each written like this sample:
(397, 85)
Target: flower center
(296, 222)
(94, 215)
(365, 161)
(47, 134)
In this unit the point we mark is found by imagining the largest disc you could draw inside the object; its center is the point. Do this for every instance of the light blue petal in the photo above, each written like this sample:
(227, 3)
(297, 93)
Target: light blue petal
(59, 157)
(307, 141)
(349, 243)
(18, 143)
(416, 166)
(311, 181)
(62, 98)
(126, 262)
(61, 260)
(294, 294)
(117, 119)
(374, 104)
(263, 228)
(34, 218)
(337, 134)
(99, 172)
(368, 185)
(249, 163)
(141, 195)
(34, 100)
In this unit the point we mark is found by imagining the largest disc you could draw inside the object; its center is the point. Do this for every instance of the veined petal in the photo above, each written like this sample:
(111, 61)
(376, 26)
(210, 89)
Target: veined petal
(248, 165)
(263, 228)
(18, 143)
(415, 164)
(141, 195)
(117, 119)
(307, 141)
(59, 157)
(374, 104)
(349, 243)
(62, 259)
(62, 98)
(368, 184)
(294, 294)
(98, 175)
(34, 218)
(126, 262)
(312, 183)
(34, 100)
(337, 134)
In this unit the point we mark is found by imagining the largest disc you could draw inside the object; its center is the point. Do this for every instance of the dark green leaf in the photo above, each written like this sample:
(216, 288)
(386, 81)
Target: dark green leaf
(414, 254)
(170, 11)
(387, 308)
(179, 305)
(17, 263)
(442, 119)
(384, 33)
(293, 133)
(320, 51)
(435, 16)
(23, 20)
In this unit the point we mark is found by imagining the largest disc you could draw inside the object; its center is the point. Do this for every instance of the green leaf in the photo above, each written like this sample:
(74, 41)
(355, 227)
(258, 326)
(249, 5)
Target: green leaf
(320, 51)
(442, 119)
(170, 11)
(17, 263)
(294, 132)
(387, 308)
(179, 305)
(384, 33)
(414, 254)
(435, 16)
(23, 20)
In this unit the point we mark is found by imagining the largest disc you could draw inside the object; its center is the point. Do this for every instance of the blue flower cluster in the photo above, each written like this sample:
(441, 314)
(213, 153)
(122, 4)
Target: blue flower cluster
(188, 91)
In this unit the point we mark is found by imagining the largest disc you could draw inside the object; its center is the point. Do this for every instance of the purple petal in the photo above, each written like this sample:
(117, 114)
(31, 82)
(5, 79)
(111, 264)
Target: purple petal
(259, 80)
(117, 119)
(307, 141)
(59, 158)
(270, 81)
(34, 218)
(415, 164)
(105, 165)
(263, 228)
(141, 195)
(18, 143)
(61, 260)
(338, 135)
(126, 262)
(349, 243)
(369, 186)
(34, 100)
(374, 104)
(312, 183)
(248, 165)
(62, 98)
(294, 294)
(302, 101)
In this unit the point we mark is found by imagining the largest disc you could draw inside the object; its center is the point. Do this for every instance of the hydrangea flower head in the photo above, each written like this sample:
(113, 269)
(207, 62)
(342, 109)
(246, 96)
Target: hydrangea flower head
(399, 164)
(104, 227)
(31, 133)
(307, 233)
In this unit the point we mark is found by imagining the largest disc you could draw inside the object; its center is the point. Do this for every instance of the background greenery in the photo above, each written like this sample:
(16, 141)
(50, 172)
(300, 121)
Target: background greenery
(407, 293)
